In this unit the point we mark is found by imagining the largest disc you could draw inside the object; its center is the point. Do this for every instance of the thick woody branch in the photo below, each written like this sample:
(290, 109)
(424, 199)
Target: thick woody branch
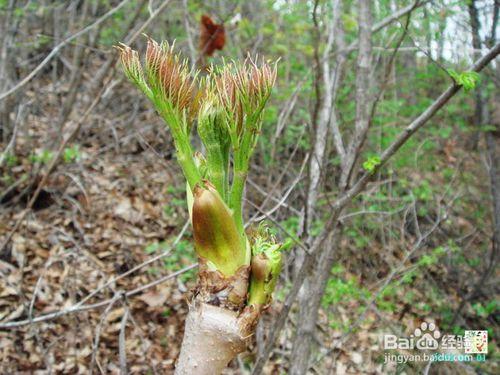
(414, 126)
(212, 338)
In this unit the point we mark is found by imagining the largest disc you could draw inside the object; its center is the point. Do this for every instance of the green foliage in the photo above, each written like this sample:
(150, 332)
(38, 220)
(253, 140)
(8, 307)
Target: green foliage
(423, 191)
(181, 254)
(10, 160)
(177, 200)
(42, 157)
(350, 22)
(265, 265)
(467, 79)
(487, 128)
(72, 154)
(387, 299)
(360, 240)
(485, 311)
(371, 163)
(340, 289)
(42, 41)
(432, 258)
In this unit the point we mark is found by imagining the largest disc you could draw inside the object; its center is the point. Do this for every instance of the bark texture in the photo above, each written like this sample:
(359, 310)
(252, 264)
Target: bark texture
(314, 285)
(330, 77)
(213, 336)
(363, 101)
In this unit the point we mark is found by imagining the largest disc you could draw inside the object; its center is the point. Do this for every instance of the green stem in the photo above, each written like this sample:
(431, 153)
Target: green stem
(257, 295)
(186, 160)
(236, 198)
(178, 128)
(216, 171)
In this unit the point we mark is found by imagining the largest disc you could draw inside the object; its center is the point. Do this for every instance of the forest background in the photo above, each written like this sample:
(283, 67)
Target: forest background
(387, 190)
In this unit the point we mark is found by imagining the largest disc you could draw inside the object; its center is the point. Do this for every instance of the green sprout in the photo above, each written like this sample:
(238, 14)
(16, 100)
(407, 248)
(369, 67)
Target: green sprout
(371, 163)
(266, 267)
(467, 80)
(227, 106)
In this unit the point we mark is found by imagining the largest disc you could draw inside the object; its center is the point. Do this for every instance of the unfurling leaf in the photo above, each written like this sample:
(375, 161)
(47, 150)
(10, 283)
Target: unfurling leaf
(467, 80)
(370, 164)
(265, 267)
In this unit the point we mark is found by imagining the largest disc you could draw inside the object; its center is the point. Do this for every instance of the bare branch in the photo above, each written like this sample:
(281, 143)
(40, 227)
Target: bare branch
(122, 342)
(136, 268)
(398, 14)
(76, 308)
(57, 48)
(413, 127)
(187, 26)
(363, 72)
(308, 263)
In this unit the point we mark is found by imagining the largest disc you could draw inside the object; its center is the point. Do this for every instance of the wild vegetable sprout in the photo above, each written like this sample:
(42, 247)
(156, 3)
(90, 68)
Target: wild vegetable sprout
(237, 270)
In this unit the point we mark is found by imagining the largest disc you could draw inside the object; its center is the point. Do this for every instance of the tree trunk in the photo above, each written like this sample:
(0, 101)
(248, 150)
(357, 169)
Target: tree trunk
(309, 303)
(363, 73)
(476, 45)
(481, 118)
(213, 336)
(314, 286)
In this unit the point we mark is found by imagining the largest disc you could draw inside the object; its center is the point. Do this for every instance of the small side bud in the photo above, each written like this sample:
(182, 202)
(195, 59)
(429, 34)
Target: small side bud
(265, 268)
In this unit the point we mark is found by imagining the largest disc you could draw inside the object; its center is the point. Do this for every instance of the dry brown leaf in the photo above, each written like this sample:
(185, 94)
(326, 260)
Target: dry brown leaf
(154, 298)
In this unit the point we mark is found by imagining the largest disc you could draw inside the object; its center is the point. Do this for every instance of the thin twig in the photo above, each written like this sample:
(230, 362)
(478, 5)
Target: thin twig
(57, 48)
(4, 155)
(346, 198)
(55, 160)
(285, 196)
(122, 342)
(98, 330)
(76, 308)
(138, 267)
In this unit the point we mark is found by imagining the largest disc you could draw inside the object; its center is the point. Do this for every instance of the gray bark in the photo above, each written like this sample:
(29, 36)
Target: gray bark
(326, 120)
(7, 67)
(212, 338)
(309, 304)
(493, 152)
(362, 94)
(329, 75)
(313, 289)
(476, 44)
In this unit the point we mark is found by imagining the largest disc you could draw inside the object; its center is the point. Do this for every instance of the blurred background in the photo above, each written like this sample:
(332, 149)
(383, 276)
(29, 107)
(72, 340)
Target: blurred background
(90, 190)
